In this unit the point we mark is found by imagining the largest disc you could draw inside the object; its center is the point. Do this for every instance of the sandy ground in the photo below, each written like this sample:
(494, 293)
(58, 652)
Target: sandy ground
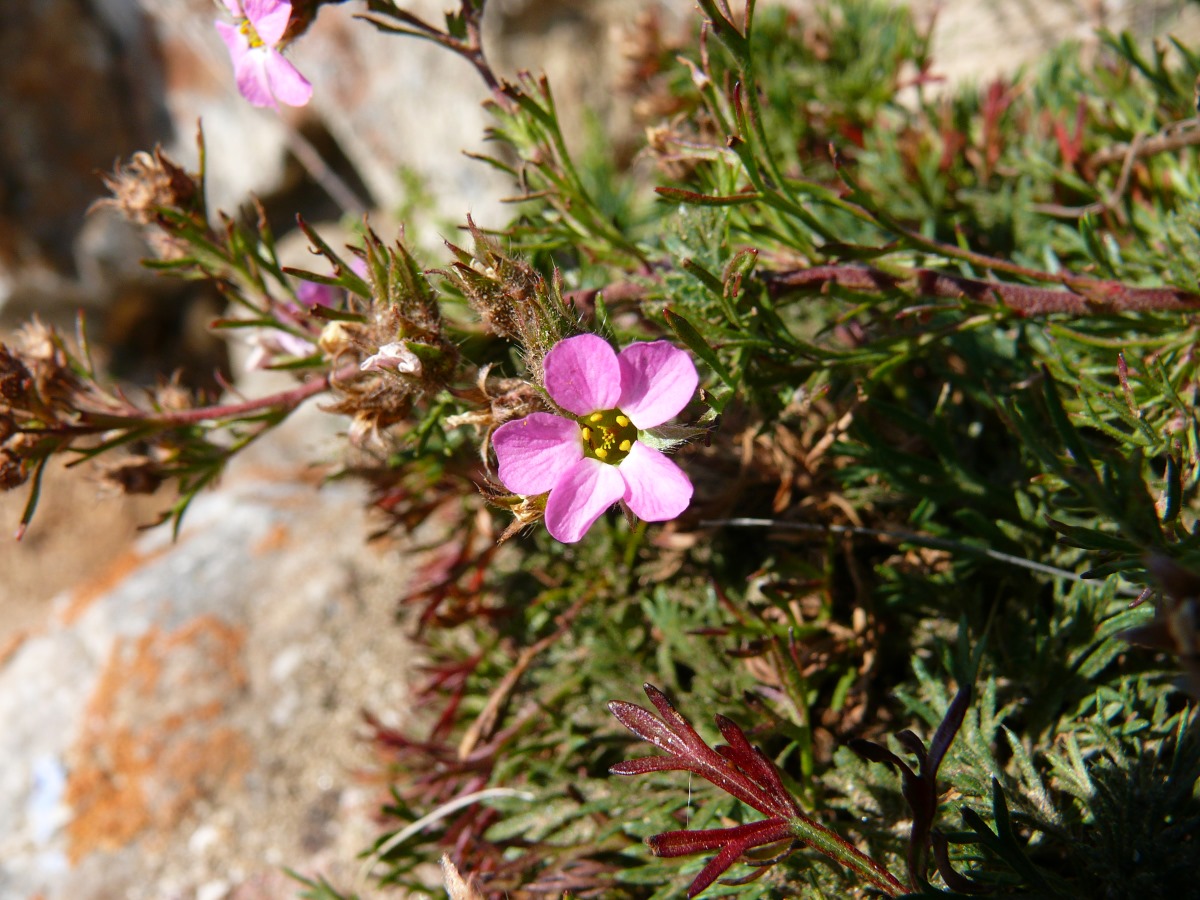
(80, 528)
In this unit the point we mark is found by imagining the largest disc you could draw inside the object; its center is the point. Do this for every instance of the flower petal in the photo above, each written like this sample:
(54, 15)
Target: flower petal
(536, 451)
(311, 295)
(582, 374)
(587, 489)
(285, 81)
(250, 71)
(655, 488)
(236, 42)
(395, 357)
(657, 381)
(269, 18)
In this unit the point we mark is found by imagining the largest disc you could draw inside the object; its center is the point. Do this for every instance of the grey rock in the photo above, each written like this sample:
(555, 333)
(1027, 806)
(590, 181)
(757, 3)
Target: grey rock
(191, 724)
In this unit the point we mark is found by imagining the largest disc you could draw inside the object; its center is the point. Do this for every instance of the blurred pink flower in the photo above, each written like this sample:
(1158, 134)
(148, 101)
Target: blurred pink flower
(263, 75)
(268, 344)
(311, 295)
(590, 462)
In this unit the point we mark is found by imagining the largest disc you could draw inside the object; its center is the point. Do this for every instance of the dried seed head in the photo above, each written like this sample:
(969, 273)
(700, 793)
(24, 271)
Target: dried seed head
(366, 428)
(149, 183)
(13, 472)
(38, 343)
(15, 377)
(173, 397)
(146, 186)
(42, 352)
(526, 510)
(136, 475)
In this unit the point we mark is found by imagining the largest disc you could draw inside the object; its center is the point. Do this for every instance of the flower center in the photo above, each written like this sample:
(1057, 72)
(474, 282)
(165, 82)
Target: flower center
(247, 28)
(608, 435)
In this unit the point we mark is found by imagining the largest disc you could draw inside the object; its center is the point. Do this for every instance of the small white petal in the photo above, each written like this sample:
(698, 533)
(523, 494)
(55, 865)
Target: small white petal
(394, 357)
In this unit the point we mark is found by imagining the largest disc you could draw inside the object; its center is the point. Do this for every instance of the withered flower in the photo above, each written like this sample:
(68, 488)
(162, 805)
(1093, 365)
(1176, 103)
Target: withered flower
(135, 475)
(148, 185)
(15, 378)
(42, 356)
(13, 471)
(1175, 628)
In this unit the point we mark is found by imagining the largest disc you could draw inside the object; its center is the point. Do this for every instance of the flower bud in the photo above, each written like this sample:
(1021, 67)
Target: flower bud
(335, 339)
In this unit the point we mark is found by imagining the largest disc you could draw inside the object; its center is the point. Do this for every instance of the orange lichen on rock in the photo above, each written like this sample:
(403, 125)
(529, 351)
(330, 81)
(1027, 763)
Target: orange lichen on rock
(154, 739)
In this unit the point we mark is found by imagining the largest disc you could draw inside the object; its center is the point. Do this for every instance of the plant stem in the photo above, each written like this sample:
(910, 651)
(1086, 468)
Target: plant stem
(283, 401)
(288, 400)
(839, 849)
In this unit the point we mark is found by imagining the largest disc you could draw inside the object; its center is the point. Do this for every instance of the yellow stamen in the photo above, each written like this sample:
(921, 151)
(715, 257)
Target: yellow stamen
(595, 417)
(601, 453)
(251, 35)
(624, 446)
(622, 421)
(587, 434)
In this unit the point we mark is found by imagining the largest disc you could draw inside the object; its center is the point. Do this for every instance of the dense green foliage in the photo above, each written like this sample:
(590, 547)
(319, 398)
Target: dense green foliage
(963, 478)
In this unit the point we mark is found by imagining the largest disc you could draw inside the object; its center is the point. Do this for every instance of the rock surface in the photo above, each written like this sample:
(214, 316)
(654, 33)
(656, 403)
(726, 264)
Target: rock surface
(187, 723)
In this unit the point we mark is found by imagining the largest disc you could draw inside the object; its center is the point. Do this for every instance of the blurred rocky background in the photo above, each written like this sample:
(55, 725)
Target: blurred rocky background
(181, 717)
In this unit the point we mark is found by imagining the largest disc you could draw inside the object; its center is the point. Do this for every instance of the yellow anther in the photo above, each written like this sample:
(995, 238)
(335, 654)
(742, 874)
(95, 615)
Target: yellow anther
(622, 421)
(601, 453)
(624, 447)
(595, 417)
(247, 29)
(587, 433)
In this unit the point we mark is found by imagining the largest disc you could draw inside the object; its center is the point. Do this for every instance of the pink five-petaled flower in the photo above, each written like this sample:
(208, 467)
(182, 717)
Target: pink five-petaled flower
(590, 462)
(263, 75)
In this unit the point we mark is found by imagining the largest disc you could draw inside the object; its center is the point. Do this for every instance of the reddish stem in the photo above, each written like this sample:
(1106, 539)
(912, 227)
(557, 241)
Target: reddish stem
(288, 399)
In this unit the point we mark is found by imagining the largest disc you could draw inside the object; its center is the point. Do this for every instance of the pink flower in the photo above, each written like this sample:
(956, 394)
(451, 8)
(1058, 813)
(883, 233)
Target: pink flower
(394, 357)
(589, 462)
(311, 295)
(268, 344)
(263, 75)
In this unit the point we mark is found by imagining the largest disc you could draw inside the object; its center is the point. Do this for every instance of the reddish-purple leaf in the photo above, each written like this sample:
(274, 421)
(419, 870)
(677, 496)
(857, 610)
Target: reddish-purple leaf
(645, 725)
(736, 840)
(715, 868)
(913, 744)
(646, 764)
(873, 752)
(954, 879)
(670, 844)
(680, 726)
(754, 763)
(740, 751)
(739, 769)
(947, 730)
